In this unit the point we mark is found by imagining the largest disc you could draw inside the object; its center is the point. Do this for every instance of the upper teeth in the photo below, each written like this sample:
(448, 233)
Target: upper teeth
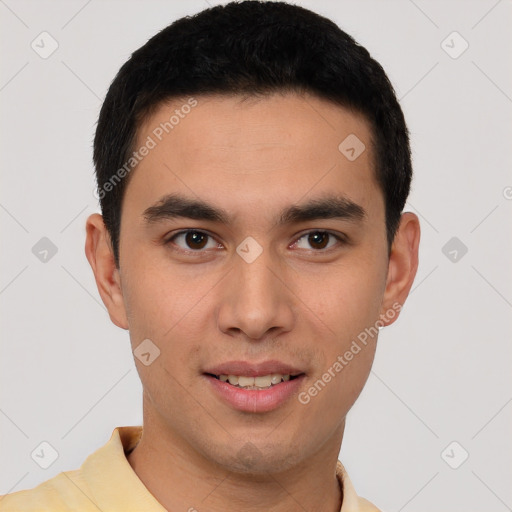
(263, 381)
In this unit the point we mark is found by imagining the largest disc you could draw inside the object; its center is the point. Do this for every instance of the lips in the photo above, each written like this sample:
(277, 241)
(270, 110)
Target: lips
(255, 388)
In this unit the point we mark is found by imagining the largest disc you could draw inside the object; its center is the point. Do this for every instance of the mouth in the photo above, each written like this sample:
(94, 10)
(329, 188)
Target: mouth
(254, 388)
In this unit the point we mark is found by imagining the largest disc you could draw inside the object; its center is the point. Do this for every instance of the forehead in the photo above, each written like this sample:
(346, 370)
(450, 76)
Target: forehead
(268, 146)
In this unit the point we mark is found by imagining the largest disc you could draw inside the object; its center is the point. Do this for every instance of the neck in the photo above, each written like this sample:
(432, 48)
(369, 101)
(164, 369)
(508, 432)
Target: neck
(181, 479)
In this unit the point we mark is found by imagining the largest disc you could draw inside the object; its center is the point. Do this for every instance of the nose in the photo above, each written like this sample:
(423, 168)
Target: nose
(255, 299)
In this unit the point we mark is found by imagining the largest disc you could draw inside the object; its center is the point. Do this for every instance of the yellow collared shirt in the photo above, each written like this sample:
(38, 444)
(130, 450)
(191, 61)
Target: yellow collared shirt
(106, 482)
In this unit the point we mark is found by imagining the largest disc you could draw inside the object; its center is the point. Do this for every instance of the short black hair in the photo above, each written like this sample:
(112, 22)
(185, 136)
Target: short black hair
(250, 48)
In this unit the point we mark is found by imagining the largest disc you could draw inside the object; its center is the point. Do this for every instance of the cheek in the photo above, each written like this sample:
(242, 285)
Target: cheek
(348, 350)
(349, 307)
(170, 310)
(351, 298)
(159, 300)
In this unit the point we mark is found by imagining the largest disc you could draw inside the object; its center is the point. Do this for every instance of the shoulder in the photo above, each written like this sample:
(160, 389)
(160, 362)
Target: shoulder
(366, 506)
(351, 501)
(105, 481)
(64, 492)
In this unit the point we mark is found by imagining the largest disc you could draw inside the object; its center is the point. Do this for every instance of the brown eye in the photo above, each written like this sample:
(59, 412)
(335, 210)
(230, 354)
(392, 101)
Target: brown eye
(318, 240)
(196, 240)
(192, 240)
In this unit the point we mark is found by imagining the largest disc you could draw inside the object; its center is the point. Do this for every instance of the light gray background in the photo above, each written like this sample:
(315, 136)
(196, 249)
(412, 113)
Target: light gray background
(442, 372)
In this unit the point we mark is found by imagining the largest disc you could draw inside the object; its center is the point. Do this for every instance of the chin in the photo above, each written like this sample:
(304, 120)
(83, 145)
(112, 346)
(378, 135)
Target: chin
(255, 459)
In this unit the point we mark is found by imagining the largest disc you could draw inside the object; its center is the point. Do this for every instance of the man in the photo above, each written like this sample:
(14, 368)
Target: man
(252, 164)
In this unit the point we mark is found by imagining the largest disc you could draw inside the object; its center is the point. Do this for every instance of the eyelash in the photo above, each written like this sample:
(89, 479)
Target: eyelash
(341, 239)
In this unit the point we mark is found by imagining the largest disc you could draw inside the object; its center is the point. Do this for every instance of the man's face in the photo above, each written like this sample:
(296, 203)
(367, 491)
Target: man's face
(293, 297)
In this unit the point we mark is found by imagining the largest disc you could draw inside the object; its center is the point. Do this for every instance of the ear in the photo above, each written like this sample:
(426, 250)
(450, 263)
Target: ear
(402, 267)
(98, 249)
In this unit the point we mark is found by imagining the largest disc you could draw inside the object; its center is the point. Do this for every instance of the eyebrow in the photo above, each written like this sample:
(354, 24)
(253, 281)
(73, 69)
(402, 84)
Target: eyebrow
(327, 207)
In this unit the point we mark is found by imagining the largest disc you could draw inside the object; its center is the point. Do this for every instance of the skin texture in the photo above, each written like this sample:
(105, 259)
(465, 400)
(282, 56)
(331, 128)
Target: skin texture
(295, 303)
